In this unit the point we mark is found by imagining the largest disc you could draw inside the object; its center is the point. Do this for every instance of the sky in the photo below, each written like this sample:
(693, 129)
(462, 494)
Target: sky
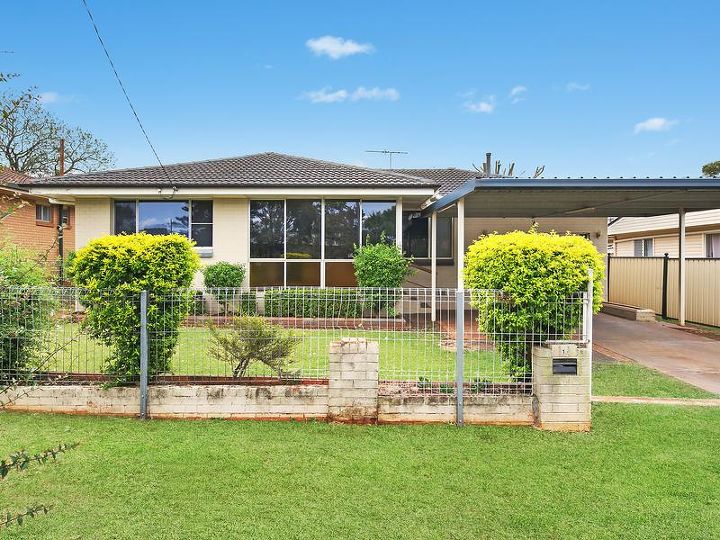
(612, 88)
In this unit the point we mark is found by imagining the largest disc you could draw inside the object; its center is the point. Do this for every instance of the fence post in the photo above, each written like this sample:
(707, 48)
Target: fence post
(589, 323)
(666, 260)
(143, 355)
(459, 355)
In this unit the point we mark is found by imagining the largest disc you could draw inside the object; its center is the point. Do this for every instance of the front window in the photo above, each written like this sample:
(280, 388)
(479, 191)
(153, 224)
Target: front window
(289, 245)
(712, 245)
(190, 219)
(643, 247)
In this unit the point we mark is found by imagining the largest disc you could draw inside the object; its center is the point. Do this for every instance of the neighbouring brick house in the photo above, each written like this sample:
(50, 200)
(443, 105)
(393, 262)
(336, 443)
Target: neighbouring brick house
(39, 223)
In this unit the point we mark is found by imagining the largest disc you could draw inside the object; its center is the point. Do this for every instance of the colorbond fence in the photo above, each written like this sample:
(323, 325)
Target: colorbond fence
(652, 283)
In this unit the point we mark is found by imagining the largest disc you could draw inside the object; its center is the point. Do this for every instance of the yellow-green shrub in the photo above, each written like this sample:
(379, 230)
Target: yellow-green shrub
(112, 271)
(530, 278)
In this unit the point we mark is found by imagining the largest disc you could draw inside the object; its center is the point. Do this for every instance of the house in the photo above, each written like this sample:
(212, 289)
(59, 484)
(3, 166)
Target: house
(37, 222)
(292, 220)
(654, 236)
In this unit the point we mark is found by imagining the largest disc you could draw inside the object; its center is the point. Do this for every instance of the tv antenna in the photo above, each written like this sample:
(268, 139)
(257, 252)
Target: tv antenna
(389, 153)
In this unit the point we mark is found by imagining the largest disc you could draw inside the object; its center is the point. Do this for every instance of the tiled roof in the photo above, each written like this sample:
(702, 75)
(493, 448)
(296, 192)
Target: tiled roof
(449, 179)
(8, 176)
(268, 169)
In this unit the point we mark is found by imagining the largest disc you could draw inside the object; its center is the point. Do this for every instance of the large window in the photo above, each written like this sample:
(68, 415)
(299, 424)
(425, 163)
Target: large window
(416, 236)
(192, 219)
(289, 246)
(712, 245)
(643, 247)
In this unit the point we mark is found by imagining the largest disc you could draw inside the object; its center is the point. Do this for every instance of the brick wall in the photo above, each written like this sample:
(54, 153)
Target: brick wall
(23, 229)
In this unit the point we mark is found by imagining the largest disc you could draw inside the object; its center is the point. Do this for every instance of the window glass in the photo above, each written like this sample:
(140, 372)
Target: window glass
(340, 274)
(43, 213)
(643, 248)
(713, 245)
(125, 217)
(303, 223)
(306, 274)
(202, 234)
(202, 211)
(444, 238)
(163, 217)
(342, 228)
(267, 274)
(202, 218)
(378, 218)
(267, 229)
(415, 235)
(65, 215)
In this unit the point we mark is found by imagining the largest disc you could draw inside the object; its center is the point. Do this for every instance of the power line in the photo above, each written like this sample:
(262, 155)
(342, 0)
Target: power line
(127, 97)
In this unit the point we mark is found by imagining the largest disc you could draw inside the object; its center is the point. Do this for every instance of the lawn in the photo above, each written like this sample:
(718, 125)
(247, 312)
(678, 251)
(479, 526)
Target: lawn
(631, 379)
(404, 355)
(643, 472)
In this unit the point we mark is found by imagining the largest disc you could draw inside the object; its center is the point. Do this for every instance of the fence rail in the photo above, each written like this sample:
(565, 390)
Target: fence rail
(652, 283)
(280, 335)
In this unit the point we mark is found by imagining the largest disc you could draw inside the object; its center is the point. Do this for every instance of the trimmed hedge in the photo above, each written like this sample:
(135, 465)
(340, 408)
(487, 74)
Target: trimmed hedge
(311, 302)
(112, 271)
(530, 279)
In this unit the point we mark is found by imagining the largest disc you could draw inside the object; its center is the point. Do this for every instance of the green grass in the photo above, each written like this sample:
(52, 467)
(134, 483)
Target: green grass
(643, 472)
(630, 379)
(403, 355)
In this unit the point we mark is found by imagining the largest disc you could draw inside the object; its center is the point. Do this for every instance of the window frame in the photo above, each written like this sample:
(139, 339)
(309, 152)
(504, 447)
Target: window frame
(38, 210)
(322, 260)
(643, 247)
(707, 239)
(441, 260)
(201, 249)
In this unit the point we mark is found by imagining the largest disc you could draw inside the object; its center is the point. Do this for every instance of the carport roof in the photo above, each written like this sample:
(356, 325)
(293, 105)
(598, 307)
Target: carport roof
(579, 197)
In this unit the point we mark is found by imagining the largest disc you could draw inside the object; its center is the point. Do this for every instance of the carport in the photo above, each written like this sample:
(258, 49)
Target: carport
(572, 197)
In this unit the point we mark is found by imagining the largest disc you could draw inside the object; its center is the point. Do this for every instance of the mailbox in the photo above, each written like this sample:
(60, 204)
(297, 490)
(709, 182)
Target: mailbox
(564, 366)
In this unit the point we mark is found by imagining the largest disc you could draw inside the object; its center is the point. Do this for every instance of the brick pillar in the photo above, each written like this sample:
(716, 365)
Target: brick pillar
(561, 398)
(353, 385)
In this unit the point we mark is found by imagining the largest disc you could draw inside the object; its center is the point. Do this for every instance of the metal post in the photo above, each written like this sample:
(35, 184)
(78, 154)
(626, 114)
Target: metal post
(589, 323)
(143, 355)
(433, 265)
(460, 244)
(459, 355)
(681, 267)
(666, 261)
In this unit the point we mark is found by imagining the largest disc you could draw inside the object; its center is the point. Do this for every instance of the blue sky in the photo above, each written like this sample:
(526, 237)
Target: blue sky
(586, 88)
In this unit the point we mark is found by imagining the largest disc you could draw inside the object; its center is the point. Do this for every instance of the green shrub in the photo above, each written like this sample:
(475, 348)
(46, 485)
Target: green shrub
(312, 302)
(252, 339)
(530, 279)
(25, 309)
(381, 265)
(224, 275)
(112, 271)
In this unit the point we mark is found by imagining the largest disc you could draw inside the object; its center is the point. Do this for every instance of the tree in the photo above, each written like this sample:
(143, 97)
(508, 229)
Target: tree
(711, 169)
(30, 139)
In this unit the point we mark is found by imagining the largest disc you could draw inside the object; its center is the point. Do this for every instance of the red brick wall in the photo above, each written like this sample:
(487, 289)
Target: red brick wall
(23, 229)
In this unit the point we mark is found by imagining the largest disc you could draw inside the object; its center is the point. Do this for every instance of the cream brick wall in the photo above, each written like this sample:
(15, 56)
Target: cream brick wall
(562, 402)
(93, 219)
(353, 382)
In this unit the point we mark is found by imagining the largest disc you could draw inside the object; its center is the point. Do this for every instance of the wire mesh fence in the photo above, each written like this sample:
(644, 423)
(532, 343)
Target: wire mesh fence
(282, 335)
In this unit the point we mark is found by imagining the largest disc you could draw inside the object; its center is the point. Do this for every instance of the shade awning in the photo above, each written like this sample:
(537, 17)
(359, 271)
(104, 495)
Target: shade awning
(578, 197)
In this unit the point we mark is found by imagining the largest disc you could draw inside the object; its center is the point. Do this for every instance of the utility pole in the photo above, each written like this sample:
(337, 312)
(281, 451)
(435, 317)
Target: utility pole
(389, 153)
(62, 157)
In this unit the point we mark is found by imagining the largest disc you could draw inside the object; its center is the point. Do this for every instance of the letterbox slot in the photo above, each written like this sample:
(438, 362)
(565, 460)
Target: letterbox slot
(565, 366)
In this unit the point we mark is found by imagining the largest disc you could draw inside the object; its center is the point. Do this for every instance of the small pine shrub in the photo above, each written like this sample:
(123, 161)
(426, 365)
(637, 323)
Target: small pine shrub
(223, 278)
(252, 340)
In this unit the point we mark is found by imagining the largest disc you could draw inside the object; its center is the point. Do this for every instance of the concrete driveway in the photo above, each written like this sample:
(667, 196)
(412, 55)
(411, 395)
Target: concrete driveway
(690, 357)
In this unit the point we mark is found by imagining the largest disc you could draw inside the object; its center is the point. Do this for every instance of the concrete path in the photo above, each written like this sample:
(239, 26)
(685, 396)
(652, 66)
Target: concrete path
(657, 401)
(689, 357)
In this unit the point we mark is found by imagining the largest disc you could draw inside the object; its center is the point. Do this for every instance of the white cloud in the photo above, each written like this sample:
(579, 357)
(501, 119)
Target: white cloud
(337, 47)
(577, 87)
(655, 124)
(49, 97)
(517, 93)
(328, 95)
(486, 106)
(375, 94)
